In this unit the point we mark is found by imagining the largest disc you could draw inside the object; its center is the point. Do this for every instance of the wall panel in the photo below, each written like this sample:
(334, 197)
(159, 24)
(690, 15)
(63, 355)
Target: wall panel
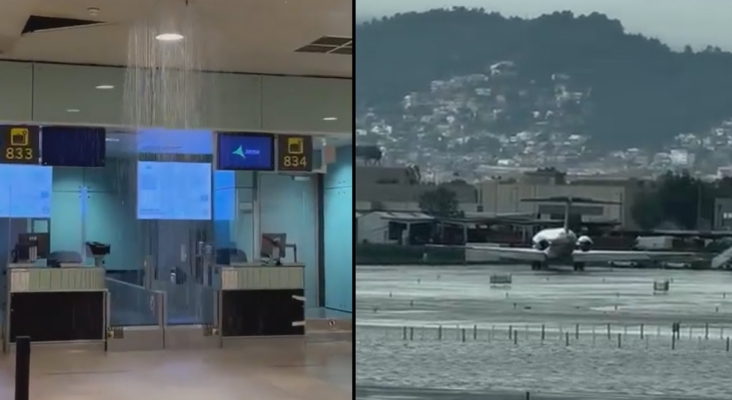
(60, 88)
(338, 235)
(232, 101)
(16, 93)
(295, 104)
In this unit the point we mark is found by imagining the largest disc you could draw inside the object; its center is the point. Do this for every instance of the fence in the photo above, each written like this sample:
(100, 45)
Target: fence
(674, 336)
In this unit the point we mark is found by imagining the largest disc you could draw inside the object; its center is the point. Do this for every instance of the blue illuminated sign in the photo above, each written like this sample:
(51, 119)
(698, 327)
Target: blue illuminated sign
(252, 152)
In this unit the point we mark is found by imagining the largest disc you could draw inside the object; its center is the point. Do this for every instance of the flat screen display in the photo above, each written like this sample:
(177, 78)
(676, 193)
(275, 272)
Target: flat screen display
(71, 146)
(248, 152)
(25, 191)
(174, 141)
(173, 190)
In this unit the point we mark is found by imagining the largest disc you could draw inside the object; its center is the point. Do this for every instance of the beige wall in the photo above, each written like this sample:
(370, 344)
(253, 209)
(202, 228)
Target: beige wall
(385, 184)
(499, 197)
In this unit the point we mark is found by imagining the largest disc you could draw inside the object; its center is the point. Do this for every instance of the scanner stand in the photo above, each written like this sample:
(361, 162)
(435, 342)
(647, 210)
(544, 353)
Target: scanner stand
(99, 251)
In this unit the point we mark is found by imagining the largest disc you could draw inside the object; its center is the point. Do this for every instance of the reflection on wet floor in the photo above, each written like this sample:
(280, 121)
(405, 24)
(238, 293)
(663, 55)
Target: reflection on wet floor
(463, 295)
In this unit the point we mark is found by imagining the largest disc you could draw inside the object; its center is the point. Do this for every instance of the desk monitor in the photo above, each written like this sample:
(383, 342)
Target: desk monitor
(41, 241)
(272, 240)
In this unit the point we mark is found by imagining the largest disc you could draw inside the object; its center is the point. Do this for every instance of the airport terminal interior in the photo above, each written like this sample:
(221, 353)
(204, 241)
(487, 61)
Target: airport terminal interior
(167, 229)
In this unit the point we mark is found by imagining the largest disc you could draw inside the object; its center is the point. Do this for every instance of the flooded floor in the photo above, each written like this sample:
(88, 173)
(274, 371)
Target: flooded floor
(282, 369)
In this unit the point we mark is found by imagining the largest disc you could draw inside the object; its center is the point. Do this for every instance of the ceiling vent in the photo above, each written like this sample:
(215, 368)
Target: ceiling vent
(37, 23)
(329, 45)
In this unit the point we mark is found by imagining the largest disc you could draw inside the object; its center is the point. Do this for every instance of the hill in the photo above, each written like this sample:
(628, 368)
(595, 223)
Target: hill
(638, 92)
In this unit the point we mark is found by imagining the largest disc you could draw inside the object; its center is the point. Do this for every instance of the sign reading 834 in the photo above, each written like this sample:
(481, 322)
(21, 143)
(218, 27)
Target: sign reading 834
(295, 161)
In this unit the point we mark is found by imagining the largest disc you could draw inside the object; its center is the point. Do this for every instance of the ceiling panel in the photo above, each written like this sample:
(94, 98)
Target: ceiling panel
(256, 36)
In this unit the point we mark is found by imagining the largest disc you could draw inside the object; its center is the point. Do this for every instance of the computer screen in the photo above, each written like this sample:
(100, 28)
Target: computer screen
(248, 152)
(25, 191)
(73, 146)
(173, 190)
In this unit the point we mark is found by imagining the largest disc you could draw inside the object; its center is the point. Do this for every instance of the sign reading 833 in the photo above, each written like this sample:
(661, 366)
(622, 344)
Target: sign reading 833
(18, 153)
(19, 144)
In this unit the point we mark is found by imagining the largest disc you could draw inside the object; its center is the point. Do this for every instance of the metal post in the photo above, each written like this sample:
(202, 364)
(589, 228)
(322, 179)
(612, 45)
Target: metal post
(22, 367)
(543, 332)
(641, 333)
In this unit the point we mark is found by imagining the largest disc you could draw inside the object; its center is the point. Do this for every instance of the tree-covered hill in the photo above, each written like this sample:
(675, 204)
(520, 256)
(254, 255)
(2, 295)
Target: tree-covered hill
(642, 93)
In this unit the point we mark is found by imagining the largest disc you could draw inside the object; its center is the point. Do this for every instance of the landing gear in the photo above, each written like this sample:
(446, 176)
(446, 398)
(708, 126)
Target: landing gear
(579, 266)
(538, 265)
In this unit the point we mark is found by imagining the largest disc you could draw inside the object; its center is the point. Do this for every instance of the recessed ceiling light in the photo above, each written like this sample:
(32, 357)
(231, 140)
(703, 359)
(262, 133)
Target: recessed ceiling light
(330, 119)
(72, 110)
(105, 87)
(169, 37)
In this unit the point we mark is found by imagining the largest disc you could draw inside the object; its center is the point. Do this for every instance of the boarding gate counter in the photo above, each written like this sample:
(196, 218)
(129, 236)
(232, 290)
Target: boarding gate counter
(79, 305)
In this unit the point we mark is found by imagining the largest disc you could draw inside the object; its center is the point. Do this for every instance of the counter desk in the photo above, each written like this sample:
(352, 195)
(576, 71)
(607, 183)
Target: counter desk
(261, 300)
(68, 304)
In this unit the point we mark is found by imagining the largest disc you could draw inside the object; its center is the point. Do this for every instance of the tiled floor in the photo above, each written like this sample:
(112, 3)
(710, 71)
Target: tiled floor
(281, 369)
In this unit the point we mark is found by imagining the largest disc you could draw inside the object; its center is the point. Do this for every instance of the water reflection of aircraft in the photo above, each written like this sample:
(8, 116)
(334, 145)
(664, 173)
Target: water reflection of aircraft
(561, 246)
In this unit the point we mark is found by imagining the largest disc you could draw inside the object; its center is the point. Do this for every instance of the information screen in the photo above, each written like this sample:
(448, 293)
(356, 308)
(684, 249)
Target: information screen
(174, 141)
(25, 191)
(70, 146)
(173, 190)
(239, 151)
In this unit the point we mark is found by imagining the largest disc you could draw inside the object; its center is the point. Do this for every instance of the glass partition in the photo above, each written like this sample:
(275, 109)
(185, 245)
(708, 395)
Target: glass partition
(287, 207)
(175, 219)
(234, 216)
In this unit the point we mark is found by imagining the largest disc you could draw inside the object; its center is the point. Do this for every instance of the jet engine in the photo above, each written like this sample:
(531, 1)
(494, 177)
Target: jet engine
(584, 243)
(542, 244)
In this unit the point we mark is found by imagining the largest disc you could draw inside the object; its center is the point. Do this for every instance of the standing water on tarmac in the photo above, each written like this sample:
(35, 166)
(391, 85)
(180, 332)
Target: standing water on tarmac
(603, 331)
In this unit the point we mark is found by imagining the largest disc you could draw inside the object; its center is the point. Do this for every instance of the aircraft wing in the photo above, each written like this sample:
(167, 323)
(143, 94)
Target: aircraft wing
(615, 255)
(511, 253)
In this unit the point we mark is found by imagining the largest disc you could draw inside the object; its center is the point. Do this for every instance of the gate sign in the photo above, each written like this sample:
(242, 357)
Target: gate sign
(294, 153)
(20, 144)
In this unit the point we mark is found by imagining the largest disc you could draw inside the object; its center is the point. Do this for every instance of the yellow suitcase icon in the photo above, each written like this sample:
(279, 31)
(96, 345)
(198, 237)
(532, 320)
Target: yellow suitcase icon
(19, 136)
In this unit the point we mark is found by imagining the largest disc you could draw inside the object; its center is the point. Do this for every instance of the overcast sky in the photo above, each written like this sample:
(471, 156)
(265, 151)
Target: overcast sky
(675, 22)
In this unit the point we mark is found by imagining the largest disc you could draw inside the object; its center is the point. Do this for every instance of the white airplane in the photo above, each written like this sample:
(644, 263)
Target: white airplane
(561, 246)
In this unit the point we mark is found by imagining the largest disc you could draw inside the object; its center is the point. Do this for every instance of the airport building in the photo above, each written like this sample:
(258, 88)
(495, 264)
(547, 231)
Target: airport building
(504, 196)
(163, 187)
(399, 189)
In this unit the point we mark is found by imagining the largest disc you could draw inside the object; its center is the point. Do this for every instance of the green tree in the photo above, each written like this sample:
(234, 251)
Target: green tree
(679, 199)
(441, 202)
(645, 210)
